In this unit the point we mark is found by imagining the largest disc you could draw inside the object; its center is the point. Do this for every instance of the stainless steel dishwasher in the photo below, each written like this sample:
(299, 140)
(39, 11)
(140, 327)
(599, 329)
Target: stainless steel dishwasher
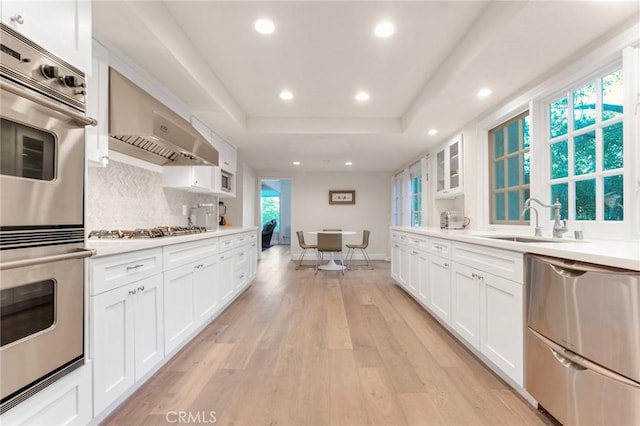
(582, 352)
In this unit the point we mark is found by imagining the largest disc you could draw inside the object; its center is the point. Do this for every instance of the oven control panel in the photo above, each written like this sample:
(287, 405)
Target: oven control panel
(26, 63)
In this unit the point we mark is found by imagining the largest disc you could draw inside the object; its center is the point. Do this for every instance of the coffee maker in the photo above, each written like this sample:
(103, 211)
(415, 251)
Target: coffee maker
(222, 210)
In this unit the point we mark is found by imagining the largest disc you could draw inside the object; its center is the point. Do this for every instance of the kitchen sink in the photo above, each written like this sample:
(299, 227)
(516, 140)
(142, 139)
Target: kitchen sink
(521, 239)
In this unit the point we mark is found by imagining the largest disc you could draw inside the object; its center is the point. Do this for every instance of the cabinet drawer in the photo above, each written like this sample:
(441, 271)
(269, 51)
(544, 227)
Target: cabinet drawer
(417, 241)
(402, 238)
(439, 247)
(246, 238)
(228, 242)
(242, 258)
(110, 272)
(506, 264)
(180, 254)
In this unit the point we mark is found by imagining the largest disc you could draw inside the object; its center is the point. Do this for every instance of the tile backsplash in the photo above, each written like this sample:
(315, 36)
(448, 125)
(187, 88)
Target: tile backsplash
(122, 196)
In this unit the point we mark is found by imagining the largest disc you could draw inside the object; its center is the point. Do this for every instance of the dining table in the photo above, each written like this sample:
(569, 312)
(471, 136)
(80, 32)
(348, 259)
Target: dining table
(331, 265)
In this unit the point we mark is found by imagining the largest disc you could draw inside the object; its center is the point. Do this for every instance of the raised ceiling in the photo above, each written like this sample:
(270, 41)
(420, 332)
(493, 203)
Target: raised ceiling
(424, 76)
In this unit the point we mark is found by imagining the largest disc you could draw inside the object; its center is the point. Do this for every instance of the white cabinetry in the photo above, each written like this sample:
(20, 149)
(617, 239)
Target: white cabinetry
(227, 154)
(439, 299)
(65, 402)
(496, 311)
(465, 301)
(191, 178)
(97, 137)
(127, 328)
(62, 27)
(449, 169)
(193, 276)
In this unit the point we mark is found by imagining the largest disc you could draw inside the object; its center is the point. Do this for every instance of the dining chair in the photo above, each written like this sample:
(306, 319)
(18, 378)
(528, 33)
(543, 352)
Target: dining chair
(329, 242)
(351, 248)
(304, 246)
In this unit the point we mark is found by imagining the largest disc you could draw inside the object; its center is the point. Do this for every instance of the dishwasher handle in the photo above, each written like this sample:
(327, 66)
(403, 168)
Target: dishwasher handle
(575, 268)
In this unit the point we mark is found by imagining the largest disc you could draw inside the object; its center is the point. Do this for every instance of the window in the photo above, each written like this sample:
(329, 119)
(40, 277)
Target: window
(586, 152)
(416, 195)
(510, 161)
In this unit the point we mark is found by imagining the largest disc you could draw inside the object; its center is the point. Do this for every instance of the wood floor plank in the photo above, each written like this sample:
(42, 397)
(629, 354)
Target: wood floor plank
(382, 403)
(303, 349)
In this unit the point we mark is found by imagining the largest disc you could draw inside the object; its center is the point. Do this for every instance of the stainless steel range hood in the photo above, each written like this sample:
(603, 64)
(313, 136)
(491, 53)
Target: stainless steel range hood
(142, 127)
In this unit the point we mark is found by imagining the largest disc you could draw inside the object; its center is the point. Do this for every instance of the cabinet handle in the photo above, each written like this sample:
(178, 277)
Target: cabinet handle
(17, 18)
(226, 163)
(141, 288)
(132, 292)
(139, 265)
(195, 182)
(446, 265)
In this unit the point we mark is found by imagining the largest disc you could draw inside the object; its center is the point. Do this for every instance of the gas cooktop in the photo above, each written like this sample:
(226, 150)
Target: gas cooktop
(157, 232)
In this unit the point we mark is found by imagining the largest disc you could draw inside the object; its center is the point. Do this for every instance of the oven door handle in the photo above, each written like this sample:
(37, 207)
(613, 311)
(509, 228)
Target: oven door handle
(79, 254)
(24, 93)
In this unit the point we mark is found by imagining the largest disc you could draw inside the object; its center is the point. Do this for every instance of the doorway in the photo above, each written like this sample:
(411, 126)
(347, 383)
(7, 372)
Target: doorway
(275, 204)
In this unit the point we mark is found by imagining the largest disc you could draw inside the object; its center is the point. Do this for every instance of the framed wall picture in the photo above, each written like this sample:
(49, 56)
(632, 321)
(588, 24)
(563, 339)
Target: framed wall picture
(342, 197)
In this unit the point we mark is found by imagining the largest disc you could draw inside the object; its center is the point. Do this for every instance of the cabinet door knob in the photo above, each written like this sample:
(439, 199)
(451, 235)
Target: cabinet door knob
(132, 292)
(17, 18)
(141, 288)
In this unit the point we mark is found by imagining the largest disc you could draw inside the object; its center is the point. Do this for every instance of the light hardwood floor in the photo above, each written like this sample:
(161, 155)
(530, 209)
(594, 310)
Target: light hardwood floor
(298, 349)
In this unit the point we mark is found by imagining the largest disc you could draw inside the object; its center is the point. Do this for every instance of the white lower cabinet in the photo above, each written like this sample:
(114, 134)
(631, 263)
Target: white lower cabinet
(226, 265)
(465, 303)
(439, 300)
(179, 305)
(502, 322)
(474, 290)
(127, 337)
(206, 289)
(65, 402)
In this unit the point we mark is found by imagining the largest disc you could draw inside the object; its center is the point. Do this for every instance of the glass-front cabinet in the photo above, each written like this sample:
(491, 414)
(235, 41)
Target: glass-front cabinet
(449, 169)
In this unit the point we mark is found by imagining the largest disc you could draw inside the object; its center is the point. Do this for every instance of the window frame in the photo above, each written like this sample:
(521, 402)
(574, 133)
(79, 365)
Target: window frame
(491, 160)
(598, 227)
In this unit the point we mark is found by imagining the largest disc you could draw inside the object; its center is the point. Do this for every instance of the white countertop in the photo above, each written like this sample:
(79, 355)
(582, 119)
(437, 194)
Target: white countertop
(616, 253)
(106, 247)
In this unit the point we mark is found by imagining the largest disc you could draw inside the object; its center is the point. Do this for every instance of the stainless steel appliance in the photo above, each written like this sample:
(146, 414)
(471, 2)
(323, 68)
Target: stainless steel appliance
(142, 127)
(226, 181)
(452, 219)
(583, 341)
(42, 113)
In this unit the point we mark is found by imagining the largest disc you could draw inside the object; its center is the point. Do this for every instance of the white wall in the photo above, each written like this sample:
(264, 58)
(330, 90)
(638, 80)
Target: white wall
(312, 211)
(285, 212)
(241, 210)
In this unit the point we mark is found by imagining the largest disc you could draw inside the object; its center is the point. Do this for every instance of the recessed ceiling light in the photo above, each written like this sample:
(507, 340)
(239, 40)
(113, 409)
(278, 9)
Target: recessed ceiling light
(384, 29)
(348, 163)
(286, 95)
(296, 163)
(433, 131)
(483, 93)
(264, 26)
(362, 96)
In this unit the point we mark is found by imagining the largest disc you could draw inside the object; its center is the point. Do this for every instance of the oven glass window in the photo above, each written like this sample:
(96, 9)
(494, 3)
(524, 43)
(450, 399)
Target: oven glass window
(26, 310)
(27, 152)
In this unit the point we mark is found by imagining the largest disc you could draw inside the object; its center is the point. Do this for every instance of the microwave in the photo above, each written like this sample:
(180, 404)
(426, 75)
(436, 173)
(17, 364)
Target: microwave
(226, 181)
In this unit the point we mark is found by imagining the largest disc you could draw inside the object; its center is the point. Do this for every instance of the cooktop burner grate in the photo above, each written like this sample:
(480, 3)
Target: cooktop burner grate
(157, 232)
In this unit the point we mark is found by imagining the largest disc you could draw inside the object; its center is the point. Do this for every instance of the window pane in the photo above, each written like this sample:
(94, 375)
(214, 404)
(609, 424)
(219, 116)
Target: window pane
(586, 199)
(513, 137)
(560, 192)
(416, 203)
(499, 203)
(513, 165)
(514, 205)
(526, 132)
(612, 147)
(558, 118)
(612, 95)
(613, 198)
(498, 174)
(559, 160)
(498, 143)
(584, 107)
(585, 153)
(526, 167)
(416, 220)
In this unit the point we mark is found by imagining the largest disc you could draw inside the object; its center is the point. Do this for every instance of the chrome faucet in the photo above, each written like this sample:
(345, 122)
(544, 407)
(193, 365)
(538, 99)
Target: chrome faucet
(538, 227)
(559, 228)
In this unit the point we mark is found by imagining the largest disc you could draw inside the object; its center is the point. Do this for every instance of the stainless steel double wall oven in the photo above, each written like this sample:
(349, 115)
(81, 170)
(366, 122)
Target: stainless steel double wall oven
(41, 217)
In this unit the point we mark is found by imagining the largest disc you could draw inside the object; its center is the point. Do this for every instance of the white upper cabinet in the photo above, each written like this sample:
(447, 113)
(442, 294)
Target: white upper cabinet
(449, 169)
(97, 137)
(61, 27)
(227, 153)
(191, 178)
